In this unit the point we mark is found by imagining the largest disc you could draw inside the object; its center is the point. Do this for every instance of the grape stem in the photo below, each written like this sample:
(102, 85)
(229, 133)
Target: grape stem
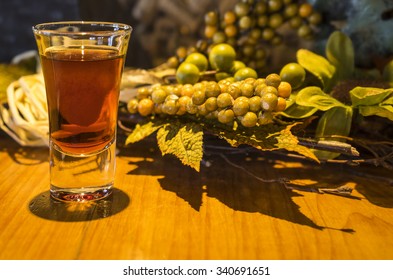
(330, 146)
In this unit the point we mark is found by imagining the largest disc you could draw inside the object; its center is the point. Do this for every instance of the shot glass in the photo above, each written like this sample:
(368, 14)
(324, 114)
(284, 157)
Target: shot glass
(82, 64)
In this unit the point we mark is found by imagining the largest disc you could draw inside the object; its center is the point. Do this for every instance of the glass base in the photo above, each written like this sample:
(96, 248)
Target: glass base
(80, 178)
(79, 195)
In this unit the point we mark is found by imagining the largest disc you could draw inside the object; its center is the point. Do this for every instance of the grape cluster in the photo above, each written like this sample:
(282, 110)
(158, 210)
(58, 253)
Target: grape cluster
(250, 102)
(254, 25)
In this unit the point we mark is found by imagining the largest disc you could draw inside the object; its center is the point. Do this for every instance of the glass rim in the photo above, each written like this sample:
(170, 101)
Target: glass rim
(46, 28)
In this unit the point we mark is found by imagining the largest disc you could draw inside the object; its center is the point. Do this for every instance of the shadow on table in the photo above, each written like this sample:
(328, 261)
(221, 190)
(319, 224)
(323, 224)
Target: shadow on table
(47, 208)
(230, 185)
(23, 155)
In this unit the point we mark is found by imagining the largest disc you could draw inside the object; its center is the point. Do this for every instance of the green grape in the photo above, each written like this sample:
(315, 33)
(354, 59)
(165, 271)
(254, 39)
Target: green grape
(291, 10)
(226, 116)
(259, 81)
(187, 90)
(277, 40)
(259, 88)
(268, 34)
(240, 106)
(221, 57)
(241, 9)
(249, 119)
(268, 90)
(255, 103)
(273, 80)
(263, 20)
(211, 18)
(170, 106)
(305, 10)
(260, 54)
(219, 37)
(247, 89)
(199, 86)
(234, 90)
(229, 17)
(219, 76)
(224, 100)
(295, 22)
(260, 8)
(187, 73)
(181, 53)
(142, 93)
(177, 89)
(269, 101)
(249, 80)
(237, 65)
(315, 18)
(245, 22)
(183, 102)
(191, 108)
(132, 106)
(245, 73)
(211, 104)
(212, 89)
(199, 60)
(173, 62)
(158, 95)
(158, 108)
(276, 20)
(230, 31)
(274, 5)
(281, 104)
(305, 31)
(202, 111)
(284, 89)
(294, 74)
(210, 31)
(145, 107)
(199, 97)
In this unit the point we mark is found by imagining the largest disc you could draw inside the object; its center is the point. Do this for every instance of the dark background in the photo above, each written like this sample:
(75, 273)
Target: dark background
(18, 16)
(160, 26)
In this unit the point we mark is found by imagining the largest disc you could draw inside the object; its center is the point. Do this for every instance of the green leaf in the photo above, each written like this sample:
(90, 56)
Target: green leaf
(336, 121)
(368, 95)
(315, 97)
(385, 111)
(299, 112)
(185, 141)
(140, 132)
(318, 66)
(340, 52)
(388, 101)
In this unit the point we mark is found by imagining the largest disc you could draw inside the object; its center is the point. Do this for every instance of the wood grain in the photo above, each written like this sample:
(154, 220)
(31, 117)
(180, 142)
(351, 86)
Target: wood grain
(163, 210)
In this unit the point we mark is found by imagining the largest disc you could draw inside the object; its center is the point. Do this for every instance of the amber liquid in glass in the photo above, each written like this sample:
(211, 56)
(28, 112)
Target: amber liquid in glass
(82, 87)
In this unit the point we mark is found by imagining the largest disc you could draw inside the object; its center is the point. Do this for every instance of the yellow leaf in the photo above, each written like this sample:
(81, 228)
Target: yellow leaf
(185, 141)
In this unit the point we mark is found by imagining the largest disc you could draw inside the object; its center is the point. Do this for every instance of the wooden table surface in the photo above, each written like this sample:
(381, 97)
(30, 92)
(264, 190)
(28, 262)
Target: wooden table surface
(161, 209)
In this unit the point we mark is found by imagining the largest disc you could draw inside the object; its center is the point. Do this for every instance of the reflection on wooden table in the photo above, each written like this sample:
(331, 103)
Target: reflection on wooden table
(161, 209)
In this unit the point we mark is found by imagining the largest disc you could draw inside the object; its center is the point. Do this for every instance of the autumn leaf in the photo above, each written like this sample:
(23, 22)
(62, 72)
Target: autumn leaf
(286, 140)
(184, 140)
(141, 131)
